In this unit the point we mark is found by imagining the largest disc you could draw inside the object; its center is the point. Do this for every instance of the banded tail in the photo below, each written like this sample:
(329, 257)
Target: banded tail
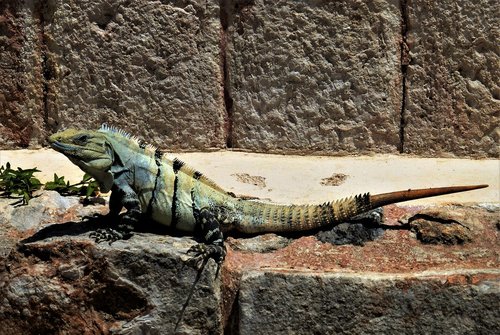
(260, 217)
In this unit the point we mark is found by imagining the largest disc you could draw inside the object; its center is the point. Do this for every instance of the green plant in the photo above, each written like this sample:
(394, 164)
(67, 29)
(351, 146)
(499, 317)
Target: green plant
(19, 182)
(87, 186)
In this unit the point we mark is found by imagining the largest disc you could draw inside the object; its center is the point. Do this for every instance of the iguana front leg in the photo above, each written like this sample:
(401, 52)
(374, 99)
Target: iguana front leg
(213, 246)
(122, 195)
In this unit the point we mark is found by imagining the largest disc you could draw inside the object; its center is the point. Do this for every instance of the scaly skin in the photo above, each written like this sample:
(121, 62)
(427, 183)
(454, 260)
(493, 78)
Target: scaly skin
(146, 182)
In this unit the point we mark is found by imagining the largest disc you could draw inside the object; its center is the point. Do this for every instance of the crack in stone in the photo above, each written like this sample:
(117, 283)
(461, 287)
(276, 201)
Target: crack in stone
(432, 218)
(405, 61)
(224, 6)
(42, 12)
(44, 69)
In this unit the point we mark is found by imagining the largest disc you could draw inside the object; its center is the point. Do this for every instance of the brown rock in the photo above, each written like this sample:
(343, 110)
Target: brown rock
(55, 279)
(438, 226)
(73, 286)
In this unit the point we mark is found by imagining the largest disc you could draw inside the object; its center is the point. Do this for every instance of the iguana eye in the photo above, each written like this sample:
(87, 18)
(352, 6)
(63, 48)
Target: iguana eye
(81, 139)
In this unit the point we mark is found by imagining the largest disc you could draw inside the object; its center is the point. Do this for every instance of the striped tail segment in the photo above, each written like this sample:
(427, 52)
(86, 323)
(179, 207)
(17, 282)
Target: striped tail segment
(261, 217)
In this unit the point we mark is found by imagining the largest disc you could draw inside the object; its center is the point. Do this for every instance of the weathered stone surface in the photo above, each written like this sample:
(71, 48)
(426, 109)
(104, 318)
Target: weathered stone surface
(308, 303)
(46, 208)
(453, 82)
(151, 68)
(138, 286)
(437, 226)
(314, 76)
(21, 74)
(397, 251)
(289, 77)
(60, 281)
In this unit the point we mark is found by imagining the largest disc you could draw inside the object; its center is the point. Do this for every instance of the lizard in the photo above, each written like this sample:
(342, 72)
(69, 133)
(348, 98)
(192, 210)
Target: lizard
(144, 181)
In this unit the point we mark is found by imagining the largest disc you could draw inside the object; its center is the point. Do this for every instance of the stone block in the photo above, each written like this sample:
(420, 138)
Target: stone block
(151, 68)
(314, 76)
(55, 279)
(453, 79)
(21, 75)
(334, 303)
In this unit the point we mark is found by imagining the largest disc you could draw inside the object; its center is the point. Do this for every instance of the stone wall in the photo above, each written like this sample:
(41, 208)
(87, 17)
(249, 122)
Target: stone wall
(309, 77)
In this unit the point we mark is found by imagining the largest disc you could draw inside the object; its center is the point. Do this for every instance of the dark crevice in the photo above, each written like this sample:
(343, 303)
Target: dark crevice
(228, 101)
(46, 68)
(405, 61)
(427, 217)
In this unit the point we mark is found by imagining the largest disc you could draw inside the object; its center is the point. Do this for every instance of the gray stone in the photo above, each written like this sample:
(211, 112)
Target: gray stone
(322, 77)
(261, 243)
(453, 83)
(308, 303)
(45, 209)
(138, 286)
(314, 76)
(151, 68)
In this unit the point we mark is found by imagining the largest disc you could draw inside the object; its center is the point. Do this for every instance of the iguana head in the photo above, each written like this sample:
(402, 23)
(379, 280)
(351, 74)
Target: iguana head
(90, 150)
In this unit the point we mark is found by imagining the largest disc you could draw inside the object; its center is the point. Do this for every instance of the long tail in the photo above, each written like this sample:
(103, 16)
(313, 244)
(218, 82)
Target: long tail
(261, 217)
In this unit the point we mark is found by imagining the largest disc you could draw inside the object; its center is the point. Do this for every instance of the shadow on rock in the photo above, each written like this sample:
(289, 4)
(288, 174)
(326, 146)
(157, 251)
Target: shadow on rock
(90, 224)
(68, 229)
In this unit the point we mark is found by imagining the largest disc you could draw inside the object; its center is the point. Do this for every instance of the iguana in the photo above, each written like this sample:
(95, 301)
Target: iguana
(146, 182)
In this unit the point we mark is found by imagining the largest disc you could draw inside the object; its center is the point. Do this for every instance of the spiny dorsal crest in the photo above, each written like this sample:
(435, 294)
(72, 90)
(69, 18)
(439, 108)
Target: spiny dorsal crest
(105, 128)
(181, 166)
(351, 205)
(150, 149)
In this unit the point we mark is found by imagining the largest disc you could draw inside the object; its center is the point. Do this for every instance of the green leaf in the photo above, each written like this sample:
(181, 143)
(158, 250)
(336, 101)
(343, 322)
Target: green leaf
(22, 183)
(19, 182)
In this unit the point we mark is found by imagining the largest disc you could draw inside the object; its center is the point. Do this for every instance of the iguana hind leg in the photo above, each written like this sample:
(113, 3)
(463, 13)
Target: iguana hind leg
(213, 246)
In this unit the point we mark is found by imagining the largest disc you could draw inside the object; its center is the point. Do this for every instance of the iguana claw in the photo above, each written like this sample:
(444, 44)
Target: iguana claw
(203, 252)
(109, 235)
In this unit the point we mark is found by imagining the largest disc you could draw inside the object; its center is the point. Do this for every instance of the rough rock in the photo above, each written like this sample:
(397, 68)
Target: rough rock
(453, 79)
(314, 76)
(45, 209)
(334, 303)
(72, 285)
(151, 68)
(55, 279)
(21, 74)
(436, 226)
(363, 228)
(322, 77)
(261, 243)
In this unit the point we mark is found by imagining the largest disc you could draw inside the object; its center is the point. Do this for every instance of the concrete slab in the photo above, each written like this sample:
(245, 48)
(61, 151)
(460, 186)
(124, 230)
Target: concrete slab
(298, 179)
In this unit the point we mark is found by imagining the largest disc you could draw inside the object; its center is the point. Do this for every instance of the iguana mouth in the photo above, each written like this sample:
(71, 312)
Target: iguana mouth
(63, 147)
(68, 149)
